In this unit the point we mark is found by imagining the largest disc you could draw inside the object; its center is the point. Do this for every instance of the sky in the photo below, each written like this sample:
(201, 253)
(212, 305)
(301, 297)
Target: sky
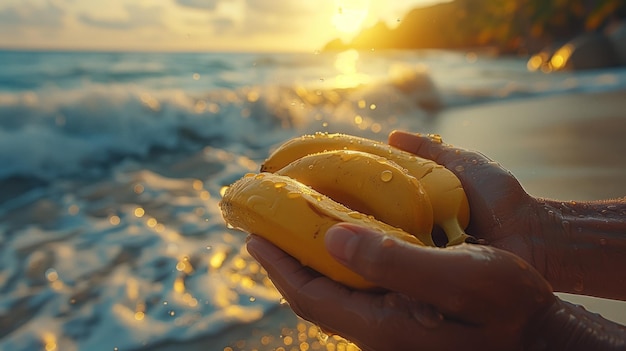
(191, 25)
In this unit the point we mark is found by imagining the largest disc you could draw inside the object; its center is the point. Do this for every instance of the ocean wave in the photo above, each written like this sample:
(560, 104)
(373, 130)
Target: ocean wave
(55, 132)
(128, 262)
(59, 132)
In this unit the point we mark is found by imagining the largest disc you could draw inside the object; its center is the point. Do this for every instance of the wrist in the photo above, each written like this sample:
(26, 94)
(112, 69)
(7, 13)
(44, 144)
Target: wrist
(581, 244)
(544, 239)
(549, 241)
(567, 327)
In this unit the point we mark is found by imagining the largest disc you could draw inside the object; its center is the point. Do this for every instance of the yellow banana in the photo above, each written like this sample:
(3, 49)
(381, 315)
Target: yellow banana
(370, 184)
(295, 218)
(449, 202)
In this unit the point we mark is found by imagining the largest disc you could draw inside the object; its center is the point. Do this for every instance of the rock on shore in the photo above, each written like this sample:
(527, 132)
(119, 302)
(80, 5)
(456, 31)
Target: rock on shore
(587, 51)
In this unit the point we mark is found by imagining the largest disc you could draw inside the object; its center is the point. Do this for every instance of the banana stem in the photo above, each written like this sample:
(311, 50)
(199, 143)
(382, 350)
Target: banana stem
(456, 235)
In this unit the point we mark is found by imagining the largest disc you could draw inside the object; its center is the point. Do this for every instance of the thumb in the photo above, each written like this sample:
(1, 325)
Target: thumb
(469, 283)
(432, 147)
(394, 264)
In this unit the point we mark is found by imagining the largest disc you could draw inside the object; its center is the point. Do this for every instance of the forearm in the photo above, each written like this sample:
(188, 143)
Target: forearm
(567, 327)
(584, 246)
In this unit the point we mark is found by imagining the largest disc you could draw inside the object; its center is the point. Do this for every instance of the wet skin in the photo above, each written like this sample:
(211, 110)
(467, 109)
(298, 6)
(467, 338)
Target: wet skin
(496, 297)
(574, 245)
(420, 308)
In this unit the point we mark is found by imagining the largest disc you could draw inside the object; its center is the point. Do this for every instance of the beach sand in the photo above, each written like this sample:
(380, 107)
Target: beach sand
(568, 147)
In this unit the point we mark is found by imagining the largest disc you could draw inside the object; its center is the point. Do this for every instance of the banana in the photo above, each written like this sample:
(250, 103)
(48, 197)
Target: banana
(295, 218)
(370, 184)
(449, 202)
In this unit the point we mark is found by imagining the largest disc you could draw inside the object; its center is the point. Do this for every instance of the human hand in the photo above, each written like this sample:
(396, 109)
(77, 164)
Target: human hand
(467, 297)
(501, 211)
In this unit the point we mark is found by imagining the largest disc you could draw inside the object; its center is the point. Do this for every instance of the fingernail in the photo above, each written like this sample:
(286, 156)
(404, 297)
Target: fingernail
(341, 243)
(250, 246)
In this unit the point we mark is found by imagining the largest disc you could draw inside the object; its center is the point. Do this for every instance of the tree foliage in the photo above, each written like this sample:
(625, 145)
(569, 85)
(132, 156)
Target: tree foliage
(514, 23)
(509, 25)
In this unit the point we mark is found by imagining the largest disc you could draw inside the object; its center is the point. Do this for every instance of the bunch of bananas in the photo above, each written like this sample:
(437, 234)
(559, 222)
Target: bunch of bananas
(312, 182)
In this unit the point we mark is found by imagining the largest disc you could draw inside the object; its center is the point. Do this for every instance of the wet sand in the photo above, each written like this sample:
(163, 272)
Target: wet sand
(569, 147)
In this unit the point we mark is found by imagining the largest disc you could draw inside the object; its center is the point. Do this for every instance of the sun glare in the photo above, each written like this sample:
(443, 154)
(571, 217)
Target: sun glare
(346, 65)
(350, 15)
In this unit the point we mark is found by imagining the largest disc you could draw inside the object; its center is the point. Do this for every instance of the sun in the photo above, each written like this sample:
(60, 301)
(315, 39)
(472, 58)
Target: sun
(350, 15)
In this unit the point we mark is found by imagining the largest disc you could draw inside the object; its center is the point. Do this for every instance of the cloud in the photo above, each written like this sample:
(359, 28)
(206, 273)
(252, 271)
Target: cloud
(127, 23)
(199, 4)
(278, 16)
(104, 23)
(138, 17)
(276, 7)
(222, 25)
(28, 14)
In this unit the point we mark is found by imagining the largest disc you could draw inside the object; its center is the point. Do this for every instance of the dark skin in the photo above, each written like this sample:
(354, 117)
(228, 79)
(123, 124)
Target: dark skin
(471, 297)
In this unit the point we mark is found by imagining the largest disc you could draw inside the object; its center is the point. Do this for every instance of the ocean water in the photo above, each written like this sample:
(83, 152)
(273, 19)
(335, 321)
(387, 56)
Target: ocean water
(112, 166)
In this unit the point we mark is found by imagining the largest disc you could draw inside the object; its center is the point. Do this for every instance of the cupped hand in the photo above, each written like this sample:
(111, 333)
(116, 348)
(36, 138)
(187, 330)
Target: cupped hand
(501, 212)
(468, 297)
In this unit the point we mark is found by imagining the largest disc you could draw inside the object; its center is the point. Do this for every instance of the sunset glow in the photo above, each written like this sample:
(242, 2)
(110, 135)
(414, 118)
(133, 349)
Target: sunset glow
(346, 65)
(196, 25)
(350, 15)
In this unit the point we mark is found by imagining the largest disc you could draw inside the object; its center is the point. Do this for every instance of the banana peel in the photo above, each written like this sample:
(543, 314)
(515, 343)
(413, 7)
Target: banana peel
(313, 182)
(295, 218)
(370, 184)
(449, 203)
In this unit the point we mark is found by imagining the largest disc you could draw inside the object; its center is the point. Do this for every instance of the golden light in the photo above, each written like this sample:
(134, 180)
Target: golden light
(49, 341)
(223, 190)
(52, 275)
(247, 282)
(139, 212)
(350, 15)
(349, 77)
(190, 300)
(179, 285)
(561, 56)
(139, 315)
(535, 63)
(114, 220)
(140, 311)
(217, 259)
(152, 222)
(197, 185)
(184, 265)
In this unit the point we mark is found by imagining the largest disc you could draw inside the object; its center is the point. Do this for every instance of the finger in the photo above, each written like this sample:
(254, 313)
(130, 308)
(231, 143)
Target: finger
(401, 323)
(275, 260)
(301, 286)
(375, 321)
(459, 281)
(298, 285)
(485, 182)
(469, 166)
(433, 148)
(314, 297)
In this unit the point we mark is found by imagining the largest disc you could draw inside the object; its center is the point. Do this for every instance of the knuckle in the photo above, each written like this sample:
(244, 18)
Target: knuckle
(378, 259)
